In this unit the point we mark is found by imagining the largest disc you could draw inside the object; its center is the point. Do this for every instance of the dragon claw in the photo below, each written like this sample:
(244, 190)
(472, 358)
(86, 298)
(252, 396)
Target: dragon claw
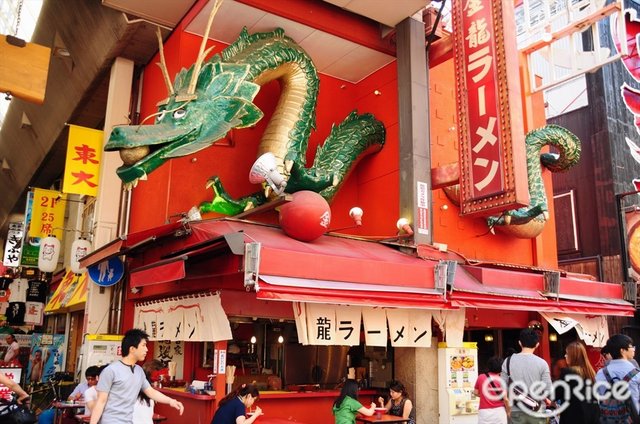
(288, 164)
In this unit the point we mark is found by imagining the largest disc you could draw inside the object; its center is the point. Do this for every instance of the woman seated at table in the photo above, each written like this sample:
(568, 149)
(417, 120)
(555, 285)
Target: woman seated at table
(399, 404)
(233, 408)
(347, 406)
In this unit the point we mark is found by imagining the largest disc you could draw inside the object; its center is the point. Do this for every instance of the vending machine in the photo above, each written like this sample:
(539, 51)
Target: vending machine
(457, 374)
(98, 349)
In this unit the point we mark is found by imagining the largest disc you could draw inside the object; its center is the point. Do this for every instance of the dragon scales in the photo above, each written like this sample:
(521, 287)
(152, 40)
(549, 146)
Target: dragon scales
(528, 222)
(196, 115)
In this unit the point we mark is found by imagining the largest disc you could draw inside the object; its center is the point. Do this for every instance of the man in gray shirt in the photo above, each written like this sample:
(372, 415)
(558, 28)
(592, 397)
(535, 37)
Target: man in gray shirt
(121, 382)
(529, 372)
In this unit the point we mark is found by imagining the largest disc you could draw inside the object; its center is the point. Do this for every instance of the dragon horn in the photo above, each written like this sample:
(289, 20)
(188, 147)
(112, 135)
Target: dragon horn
(163, 63)
(201, 55)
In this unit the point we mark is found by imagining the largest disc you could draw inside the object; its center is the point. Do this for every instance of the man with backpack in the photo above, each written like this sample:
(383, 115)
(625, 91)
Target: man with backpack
(619, 410)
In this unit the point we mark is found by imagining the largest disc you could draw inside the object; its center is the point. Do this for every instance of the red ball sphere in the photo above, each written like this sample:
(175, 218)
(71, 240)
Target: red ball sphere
(306, 217)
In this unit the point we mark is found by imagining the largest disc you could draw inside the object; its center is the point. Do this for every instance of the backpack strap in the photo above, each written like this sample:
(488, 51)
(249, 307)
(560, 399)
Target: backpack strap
(631, 374)
(628, 377)
(605, 371)
(509, 370)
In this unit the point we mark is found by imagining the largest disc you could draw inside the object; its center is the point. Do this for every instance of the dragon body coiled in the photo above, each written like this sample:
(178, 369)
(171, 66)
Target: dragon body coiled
(223, 99)
(529, 221)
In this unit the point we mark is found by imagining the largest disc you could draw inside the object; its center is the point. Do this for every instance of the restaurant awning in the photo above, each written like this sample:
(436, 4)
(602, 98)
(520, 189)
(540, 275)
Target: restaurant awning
(70, 294)
(339, 292)
(517, 290)
(345, 270)
(129, 242)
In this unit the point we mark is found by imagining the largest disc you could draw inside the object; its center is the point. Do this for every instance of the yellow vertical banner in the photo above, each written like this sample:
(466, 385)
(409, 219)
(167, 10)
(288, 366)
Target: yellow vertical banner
(47, 217)
(82, 165)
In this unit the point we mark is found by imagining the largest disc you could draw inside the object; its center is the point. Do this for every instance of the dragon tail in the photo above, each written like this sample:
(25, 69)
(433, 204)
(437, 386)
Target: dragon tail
(354, 138)
(568, 146)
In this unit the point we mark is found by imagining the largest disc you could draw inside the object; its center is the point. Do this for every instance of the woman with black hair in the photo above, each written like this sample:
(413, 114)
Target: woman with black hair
(399, 404)
(233, 408)
(346, 406)
(143, 408)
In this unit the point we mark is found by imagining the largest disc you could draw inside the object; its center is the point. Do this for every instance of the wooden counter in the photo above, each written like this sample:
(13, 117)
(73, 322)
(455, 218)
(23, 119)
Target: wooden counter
(302, 407)
(197, 408)
(306, 407)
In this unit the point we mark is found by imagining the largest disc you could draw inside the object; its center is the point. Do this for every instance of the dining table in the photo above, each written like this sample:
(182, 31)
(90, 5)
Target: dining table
(384, 418)
(267, 420)
(61, 407)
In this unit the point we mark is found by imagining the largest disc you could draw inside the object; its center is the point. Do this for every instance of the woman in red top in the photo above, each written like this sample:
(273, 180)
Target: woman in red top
(490, 388)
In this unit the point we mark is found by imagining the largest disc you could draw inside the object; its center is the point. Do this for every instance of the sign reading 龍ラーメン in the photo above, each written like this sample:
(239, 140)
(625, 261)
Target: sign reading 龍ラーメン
(491, 133)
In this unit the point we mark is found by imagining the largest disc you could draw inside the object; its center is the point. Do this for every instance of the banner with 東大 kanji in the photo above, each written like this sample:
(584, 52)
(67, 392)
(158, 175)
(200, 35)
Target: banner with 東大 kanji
(82, 165)
(47, 217)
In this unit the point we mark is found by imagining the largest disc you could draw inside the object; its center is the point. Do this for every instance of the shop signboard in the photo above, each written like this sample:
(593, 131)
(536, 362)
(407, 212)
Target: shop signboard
(47, 355)
(489, 109)
(13, 246)
(187, 318)
(329, 325)
(47, 217)
(82, 165)
(31, 246)
(14, 374)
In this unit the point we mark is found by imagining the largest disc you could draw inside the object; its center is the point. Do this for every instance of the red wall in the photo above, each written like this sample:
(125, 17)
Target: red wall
(180, 184)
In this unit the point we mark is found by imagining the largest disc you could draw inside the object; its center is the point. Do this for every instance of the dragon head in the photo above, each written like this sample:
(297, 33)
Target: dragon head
(191, 119)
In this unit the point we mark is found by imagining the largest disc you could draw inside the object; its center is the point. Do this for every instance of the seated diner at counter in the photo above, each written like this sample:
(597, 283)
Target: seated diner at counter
(347, 406)
(233, 408)
(399, 404)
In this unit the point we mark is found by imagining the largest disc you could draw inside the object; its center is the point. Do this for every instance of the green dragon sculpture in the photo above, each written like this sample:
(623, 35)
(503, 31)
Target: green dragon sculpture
(528, 222)
(205, 103)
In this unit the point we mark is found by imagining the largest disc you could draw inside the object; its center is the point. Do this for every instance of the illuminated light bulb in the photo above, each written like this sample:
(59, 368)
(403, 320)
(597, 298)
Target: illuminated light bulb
(280, 339)
(356, 214)
(253, 340)
(403, 225)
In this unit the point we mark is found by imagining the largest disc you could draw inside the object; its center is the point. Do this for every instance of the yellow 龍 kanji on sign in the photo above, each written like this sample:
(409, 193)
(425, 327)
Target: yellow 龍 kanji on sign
(82, 166)
(47, 216)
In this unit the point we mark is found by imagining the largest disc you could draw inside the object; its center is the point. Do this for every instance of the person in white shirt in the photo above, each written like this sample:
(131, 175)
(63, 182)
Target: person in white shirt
(92, 374)
(143, 409)
(13, 348)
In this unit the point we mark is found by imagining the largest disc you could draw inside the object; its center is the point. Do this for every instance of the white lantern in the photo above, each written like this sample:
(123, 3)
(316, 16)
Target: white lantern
(79, 249)
(49, 254)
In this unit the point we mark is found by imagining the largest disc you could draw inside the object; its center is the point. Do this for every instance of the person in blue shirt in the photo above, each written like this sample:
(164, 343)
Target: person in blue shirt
(622, 351)
(233, 408)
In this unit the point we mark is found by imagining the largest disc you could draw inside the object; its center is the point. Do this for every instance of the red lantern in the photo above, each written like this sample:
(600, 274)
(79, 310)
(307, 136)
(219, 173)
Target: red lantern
(306, 217)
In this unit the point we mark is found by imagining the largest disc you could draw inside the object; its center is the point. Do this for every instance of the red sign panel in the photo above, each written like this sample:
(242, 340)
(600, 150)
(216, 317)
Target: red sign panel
(490, 130)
